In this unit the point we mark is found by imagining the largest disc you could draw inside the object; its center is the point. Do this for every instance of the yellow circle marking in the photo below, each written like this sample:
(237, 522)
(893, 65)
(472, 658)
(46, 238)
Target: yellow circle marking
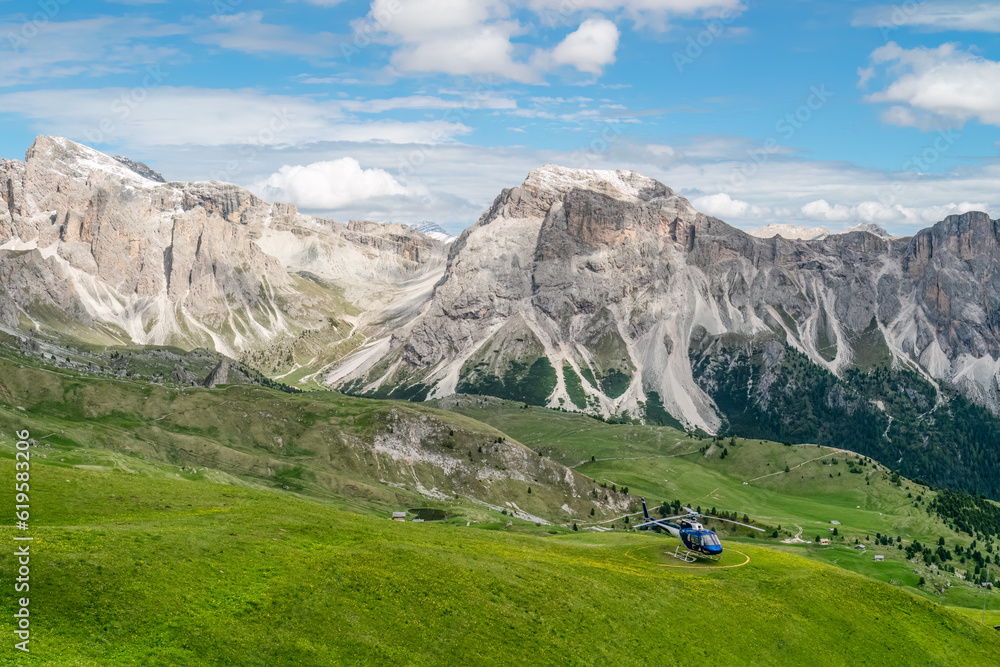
(691, 567)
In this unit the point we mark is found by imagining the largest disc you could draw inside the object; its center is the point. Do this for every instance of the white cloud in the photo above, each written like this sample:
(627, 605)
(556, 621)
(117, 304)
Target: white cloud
(903, 117)
(655, 13)
(412, 20)
(931, 87)
(932, 16)
(164, 115)
(459, 37)
(725, 207)
(328, 186)
(90, 47)
(881, 213)
(479, 101)
(476, 37)
(865, 74)
(590, 48)
(246, 32)
(662, 150)
(821, 210)
(484, 50)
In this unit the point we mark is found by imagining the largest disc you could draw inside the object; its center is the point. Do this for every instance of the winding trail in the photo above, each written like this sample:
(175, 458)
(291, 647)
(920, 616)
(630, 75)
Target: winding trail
(798, 537)
(635, 458)
(782, 472)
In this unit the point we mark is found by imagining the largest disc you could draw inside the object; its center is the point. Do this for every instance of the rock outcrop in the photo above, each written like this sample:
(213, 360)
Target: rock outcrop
(219, 375)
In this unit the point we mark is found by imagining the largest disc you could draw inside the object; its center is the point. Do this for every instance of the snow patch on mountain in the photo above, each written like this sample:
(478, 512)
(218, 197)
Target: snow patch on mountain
(434, 230)
(793, 232)
(622, 184)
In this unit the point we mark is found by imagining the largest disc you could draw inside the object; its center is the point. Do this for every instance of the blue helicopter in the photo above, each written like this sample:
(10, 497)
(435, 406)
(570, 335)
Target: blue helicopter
(699, 542)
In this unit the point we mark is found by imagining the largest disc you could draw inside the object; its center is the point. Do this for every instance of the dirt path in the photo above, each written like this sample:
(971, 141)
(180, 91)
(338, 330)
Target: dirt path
(798, 537)
(636, 458)
(782, 472)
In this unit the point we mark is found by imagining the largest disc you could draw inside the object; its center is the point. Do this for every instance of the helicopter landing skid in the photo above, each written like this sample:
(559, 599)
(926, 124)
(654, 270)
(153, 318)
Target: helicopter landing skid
(689, 556)
(684, 554)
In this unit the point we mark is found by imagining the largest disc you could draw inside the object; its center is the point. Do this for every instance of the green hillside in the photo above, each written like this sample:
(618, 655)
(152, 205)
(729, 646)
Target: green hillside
(132, 569)
(354, 452)
(869, 504)
(246, 526)
(875, 408)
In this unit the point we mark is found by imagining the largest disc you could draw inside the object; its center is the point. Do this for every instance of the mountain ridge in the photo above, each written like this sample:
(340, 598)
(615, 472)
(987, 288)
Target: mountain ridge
(556, 243)
(602, 291)
(204, 263)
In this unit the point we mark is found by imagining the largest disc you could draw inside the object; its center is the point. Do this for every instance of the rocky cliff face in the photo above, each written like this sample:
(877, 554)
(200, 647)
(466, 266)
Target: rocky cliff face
(98, 249)
(600, 287)
(602, 291)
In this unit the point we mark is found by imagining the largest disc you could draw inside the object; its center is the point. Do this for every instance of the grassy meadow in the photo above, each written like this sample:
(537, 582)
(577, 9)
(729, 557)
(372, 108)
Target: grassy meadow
(664, 464)
(134, 569)
(245, 526)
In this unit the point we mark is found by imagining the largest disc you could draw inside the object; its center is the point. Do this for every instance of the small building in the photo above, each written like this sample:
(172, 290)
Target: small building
(835, 523)
(860, 546)
(824, 542)
(879, 558)
(399, 516)
(987, 584)
(417, 521)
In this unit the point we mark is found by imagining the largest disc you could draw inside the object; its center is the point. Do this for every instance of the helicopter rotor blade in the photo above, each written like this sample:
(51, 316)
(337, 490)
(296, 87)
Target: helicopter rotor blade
(737, 523)
(662, 523)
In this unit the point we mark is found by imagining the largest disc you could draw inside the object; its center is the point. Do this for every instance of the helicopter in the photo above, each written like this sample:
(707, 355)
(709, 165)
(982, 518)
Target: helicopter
(699, 542)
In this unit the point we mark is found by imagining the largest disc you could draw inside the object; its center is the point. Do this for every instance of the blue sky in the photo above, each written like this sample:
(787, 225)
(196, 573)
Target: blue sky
(807, 113)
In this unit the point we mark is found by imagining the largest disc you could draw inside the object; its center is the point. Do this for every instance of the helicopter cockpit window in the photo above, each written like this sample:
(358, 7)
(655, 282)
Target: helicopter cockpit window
(710, 540)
